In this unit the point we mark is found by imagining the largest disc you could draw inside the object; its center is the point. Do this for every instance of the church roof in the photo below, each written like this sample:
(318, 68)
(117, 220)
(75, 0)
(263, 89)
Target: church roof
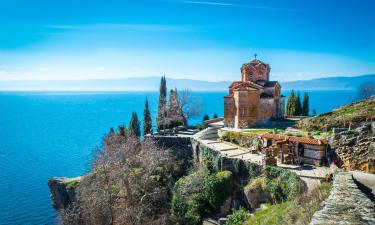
(271, 83)
(256, 62)
(245, 84)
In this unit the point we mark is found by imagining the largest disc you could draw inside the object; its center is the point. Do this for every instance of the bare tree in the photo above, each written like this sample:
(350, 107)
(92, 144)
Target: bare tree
(130, 183)
(366, 90)
(191, 106)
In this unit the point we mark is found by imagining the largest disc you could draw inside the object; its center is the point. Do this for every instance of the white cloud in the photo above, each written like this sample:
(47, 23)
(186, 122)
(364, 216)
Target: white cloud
(230, 4)
(41, 69)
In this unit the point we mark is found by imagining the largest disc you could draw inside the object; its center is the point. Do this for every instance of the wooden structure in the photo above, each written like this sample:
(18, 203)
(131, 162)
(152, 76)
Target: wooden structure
(296, 150)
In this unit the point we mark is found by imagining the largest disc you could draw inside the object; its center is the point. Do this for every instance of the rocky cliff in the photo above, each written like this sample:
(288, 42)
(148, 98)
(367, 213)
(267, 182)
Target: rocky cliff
(63, 191)
(356, 147)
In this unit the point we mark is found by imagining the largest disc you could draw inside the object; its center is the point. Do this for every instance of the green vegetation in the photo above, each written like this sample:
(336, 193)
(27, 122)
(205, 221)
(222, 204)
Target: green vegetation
(122, 129)
(239, 138)
(215, 116)
(72, 182)
(134, 126)
(305, 104)
(162, 107)
(282, 185)
(238, 217)
(199, 192)
(258, 131)
(297, 211)
(341, 117)
(205, 117)
(147, 121)
(294, 107)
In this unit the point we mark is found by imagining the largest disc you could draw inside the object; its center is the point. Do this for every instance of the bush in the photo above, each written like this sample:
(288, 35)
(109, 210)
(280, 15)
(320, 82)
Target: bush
(217, 189)
(199, 192)
(238, 217)
(188, 199)
(238, 138)
(298, 211)
(282, 184)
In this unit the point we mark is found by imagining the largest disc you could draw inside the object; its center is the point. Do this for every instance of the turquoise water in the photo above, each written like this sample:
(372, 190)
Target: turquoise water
(47, 134)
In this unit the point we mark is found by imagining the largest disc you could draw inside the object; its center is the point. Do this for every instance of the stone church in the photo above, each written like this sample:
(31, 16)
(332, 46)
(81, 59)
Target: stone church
(255, 99)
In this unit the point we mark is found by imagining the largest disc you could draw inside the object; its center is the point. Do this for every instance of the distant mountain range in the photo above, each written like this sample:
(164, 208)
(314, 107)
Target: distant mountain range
(152, 84)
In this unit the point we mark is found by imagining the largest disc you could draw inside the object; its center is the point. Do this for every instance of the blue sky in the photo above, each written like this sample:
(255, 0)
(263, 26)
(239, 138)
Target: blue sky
(207, 40)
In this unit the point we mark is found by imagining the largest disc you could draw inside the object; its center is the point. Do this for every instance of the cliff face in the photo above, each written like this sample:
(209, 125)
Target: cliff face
(63, 191)
(356, 147)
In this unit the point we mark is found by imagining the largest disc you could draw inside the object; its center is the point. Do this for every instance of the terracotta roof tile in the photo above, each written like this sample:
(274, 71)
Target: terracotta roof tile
(303, 140)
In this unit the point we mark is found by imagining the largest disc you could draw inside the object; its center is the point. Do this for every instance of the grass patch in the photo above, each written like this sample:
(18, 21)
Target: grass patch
(270, 214)
(297, 211)
(72, 182)
(355, 112)
(257, 131)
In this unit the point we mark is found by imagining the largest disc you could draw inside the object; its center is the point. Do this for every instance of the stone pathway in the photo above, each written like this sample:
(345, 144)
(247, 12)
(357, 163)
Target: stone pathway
(345, 205)
(232, 150)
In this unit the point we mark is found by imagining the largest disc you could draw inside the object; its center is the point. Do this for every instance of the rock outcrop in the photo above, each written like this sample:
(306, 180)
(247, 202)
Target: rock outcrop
(256, 196)
(347, 204)
(356, 147)
(63, 191)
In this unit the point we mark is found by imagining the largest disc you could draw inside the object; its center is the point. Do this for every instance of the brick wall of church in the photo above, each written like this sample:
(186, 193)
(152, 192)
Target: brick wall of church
(247, 102)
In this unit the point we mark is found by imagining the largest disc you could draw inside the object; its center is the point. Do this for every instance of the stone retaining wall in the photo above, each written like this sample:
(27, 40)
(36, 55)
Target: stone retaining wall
(347, 204)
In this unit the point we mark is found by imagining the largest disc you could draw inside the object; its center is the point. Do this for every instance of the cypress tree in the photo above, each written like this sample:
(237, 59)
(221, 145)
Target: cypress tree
(298, 110)
(162, 107)
(147, 122)
(122, 130)
(134, 126)
(205, 117)
(215, 116)
(111, 130)
(305, 105)
(290, 106)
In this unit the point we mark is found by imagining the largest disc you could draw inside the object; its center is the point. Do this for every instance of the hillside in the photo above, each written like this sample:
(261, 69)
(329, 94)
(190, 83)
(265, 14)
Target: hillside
(152, 83)
(357, 112)
(330, 83)
(355, 146)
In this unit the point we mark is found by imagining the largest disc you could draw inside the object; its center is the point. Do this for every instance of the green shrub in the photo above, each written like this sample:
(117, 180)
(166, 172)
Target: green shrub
(260, 182)
(217, 189)
(270, 214)
(238, 138)
(238, 217)
(282, 184)
(188, 199)
(199, 192)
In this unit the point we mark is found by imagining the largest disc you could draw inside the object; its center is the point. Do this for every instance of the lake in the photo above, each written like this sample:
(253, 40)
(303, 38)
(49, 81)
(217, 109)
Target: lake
(51, 134)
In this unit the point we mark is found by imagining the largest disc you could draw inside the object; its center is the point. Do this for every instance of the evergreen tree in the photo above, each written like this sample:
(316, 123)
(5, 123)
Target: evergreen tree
(215, 116)
(134, 126)
(290, 105)
(111, 130)
(122, 130)
(162, 107)
(147, 122)
(305, 105)
(298, 105)
(205, 117)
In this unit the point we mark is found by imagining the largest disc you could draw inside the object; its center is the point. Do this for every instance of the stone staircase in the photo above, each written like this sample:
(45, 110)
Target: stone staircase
(347, 204)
